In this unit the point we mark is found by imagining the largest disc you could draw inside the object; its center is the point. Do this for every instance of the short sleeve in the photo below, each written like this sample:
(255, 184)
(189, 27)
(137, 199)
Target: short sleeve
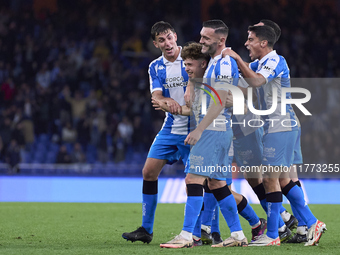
(155, 83)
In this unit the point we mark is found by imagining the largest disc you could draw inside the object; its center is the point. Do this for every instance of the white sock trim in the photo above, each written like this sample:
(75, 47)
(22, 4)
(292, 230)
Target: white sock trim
(302, 230)
(256, 225)
(285, 216)
(187, 235)
(196, 237)
(238, 235)
(283, 228)
(206, 228)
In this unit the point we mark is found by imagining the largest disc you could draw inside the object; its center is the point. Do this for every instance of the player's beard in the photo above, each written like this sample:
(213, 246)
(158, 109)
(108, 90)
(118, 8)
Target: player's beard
(211, 48)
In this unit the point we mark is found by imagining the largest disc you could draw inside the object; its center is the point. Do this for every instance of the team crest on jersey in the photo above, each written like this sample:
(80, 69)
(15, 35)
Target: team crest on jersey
(269, 152)
(196, 161)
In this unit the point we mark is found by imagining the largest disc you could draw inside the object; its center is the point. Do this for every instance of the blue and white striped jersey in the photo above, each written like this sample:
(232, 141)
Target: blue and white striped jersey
(171, 79)
(275, 70)
(219, 73)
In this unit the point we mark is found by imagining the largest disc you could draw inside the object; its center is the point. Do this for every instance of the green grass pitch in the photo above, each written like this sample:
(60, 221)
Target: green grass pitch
(94, 228)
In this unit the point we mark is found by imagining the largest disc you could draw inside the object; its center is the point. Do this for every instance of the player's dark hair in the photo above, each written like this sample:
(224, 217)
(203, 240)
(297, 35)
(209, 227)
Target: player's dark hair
(194, 51)
(264, 33)
(274, 26)
(218, 25)
(160, 27)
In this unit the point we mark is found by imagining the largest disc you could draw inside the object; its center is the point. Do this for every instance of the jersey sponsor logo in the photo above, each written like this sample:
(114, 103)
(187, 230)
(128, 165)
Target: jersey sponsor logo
(273, 59)
(225, 63)
(245, 155)
(224, 78)
(267, 68)
(174, 82)
(161, 68)
(272, 72)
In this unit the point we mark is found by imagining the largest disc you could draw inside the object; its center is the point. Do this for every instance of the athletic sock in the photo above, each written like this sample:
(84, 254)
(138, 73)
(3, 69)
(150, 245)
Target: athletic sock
(261, 195)
(238, 235)
(295, 196)
(228, 207)
(187, 235)
(197, 228)
(285, 215)
(274, 202)
(302, 230)
(283, 228)
(282, 210)
(150, 190)
(295, 212)
(210, 204)
(215, 224)
(247, 212)
(193, 206)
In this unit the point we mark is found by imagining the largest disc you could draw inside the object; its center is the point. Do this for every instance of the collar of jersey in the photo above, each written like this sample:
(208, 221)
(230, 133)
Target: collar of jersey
(270, 54)
(179, 58)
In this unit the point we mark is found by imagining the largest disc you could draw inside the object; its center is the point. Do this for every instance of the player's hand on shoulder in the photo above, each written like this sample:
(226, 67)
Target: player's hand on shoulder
(229, 52)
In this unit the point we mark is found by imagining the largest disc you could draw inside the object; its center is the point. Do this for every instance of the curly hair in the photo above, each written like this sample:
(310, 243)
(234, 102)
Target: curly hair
(193, 50)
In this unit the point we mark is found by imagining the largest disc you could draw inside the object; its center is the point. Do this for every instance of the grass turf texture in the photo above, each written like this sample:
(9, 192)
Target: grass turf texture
(83, 228)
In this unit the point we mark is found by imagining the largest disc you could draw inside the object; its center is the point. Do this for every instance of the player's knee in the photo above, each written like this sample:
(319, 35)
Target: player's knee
(253, 182)
(267, 182)
(284, 182)
(150, 174)
(215, 184)
(188, 179)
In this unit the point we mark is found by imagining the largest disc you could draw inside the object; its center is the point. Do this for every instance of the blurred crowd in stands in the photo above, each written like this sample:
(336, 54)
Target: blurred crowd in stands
(74, 83)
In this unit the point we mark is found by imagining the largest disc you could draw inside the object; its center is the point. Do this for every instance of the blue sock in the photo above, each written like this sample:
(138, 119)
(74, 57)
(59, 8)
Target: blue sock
(228, 208)
(247, 212)
(197, 228)
(150, 189)
(274, 202)
(263, 202)
(295, 196)
(295, 212)
(215, 224)
(282, 209)
(193, 206)
(281, 222)
(261, 195)
(209, 205)
(301, 222)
